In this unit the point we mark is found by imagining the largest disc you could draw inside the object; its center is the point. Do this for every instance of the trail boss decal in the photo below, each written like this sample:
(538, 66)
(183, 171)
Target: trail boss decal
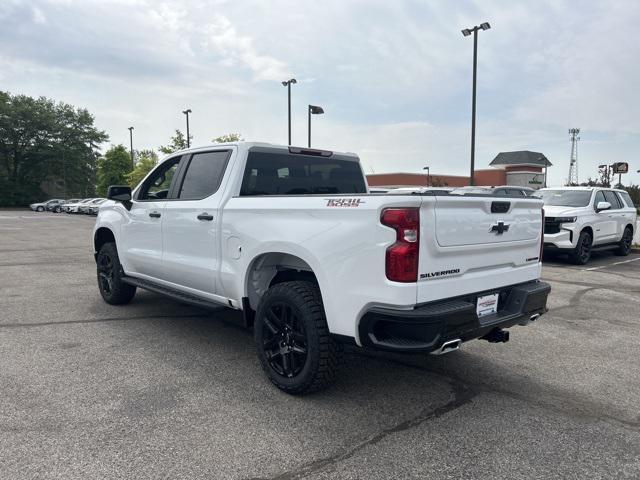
(441, 273)
(344, 202)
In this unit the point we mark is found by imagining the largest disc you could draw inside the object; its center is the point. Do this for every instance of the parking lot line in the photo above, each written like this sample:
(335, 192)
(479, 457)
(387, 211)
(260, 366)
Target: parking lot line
(610, 264)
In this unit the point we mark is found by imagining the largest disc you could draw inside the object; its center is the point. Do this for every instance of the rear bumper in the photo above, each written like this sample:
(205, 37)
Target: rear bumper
(428, 326)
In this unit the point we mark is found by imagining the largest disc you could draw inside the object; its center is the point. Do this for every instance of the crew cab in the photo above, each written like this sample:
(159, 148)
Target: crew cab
(292, 238)
(579, 220)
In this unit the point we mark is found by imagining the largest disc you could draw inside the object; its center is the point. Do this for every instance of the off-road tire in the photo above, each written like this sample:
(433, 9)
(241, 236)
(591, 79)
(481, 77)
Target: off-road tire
(624, 247)
(109, 274)
(582, 253)
(306, 330)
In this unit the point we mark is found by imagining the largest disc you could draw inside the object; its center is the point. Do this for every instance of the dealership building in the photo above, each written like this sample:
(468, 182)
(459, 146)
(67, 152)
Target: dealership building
(523, 169)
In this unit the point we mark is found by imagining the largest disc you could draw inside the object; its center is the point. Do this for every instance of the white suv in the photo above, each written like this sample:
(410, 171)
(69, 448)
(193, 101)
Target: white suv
(579, 220)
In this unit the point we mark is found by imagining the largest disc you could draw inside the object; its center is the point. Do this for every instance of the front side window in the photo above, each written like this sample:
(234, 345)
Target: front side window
(612, 198)
(156, 187)
(599, 198)
(204, 175)
(275, 173)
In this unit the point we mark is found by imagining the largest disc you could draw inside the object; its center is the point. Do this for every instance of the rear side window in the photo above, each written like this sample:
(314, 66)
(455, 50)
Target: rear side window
(277, 173)
(204, 175)
(627, 199)
(612, 198)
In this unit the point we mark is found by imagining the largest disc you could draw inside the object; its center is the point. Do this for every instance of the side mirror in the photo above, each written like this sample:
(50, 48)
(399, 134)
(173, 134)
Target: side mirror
(603, 206)
(119, 193)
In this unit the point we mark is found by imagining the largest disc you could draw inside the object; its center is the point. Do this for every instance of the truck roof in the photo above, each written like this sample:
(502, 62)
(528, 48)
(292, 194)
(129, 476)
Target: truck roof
(246, 145)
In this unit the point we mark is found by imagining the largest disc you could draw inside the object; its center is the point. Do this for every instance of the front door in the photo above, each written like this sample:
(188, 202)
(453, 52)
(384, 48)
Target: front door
(191, 223)
(605, 226)
(140, 247)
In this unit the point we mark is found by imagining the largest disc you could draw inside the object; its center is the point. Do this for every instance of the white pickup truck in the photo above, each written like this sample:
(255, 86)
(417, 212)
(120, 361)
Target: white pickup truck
(292, 237)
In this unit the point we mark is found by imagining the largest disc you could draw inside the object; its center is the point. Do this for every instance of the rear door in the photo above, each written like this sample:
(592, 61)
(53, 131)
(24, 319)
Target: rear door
(474, 243)
(190, 228)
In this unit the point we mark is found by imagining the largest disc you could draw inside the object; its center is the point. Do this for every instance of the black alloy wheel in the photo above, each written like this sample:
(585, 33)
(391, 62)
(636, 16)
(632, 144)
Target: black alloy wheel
(109, 272)
(582, 252)
(294, 345)
(284, 339)
(625, 243)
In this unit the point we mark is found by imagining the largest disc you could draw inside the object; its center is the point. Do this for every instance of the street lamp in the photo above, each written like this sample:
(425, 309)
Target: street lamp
(313, 110)
(288, 83)
(187, 112)
(131, 146)
(466, 32)
(428, 175)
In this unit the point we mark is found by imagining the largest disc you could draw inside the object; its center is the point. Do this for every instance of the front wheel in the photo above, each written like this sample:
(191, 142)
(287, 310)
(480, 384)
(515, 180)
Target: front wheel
(582, 252)
(58, 209)
(294, 345)
(40, 209)
(624, 247)
(109, 271)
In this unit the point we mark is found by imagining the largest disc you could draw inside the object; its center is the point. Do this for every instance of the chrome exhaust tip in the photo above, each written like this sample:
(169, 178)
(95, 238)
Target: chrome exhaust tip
(448, 346)
(532, 318)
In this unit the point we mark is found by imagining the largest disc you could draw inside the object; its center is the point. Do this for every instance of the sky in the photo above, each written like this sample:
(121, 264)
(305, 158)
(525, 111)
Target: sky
(394, 77)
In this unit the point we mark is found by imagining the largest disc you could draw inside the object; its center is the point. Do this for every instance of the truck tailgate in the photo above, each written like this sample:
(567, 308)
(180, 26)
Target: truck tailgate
(471, 244)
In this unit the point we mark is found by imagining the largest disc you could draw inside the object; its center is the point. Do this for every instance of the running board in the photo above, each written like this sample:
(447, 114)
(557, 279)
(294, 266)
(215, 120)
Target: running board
(173, 293)
(608, 246)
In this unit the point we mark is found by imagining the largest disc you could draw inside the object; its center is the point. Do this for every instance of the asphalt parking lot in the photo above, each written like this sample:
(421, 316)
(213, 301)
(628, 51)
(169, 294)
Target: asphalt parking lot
(157, 389)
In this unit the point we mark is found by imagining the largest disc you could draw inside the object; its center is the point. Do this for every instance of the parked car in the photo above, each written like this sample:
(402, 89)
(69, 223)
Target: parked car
(75, 207)
(84, 207)
(503, 190)
(50, 205)
(579, 220)
(93, 207)
(291, 237)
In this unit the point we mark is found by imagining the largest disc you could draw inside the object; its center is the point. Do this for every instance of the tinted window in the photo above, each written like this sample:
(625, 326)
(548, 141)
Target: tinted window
(612, 198)
(626, 198)
(599, 198)
(287, 174)
(156, 187)
(565, 198)
(203, 175)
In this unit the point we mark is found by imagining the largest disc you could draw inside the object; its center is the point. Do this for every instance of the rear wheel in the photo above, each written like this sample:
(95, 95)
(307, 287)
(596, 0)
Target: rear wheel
(40, 209)
(109, 271)
(582, 252)
(625, 243)
(294, 345)
(58, 209)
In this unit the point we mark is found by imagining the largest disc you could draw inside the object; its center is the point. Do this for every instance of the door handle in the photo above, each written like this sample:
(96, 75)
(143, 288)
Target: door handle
(154, 214)
(205, 216)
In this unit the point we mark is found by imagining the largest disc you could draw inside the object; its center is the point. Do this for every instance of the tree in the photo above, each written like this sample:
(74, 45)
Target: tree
(113, 168)
(228, 138)
(178, 142)
(45, 145)
(147, 159)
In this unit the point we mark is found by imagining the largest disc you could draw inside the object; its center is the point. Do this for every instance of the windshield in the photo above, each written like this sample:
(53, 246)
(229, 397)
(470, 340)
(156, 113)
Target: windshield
(564, 198)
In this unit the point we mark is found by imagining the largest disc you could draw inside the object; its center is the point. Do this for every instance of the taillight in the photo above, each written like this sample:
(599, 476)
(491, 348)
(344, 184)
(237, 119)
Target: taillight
(401, 262)
(541, 237)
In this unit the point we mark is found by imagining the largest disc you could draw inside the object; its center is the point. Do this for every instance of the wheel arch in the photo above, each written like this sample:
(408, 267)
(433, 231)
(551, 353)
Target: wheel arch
(101, 236)
(271, 268)
(589, 229)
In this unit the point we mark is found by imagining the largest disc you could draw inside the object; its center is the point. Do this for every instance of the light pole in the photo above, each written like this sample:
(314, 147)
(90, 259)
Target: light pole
(131, 146)
(187, 112)
(288, 83)
(312, 110)
(428, 175)
(466, 32)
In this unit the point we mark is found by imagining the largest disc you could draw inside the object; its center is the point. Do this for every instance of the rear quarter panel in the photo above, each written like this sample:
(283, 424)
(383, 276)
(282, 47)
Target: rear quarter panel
(344, 246)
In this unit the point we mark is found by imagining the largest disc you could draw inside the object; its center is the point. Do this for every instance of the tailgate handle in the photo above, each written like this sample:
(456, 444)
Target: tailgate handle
(500, 207)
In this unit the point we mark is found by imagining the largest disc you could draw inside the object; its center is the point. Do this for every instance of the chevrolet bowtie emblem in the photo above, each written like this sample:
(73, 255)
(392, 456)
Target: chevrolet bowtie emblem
(499, 228)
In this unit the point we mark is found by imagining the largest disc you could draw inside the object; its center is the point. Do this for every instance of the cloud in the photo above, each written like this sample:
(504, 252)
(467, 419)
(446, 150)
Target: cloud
(235, 49)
